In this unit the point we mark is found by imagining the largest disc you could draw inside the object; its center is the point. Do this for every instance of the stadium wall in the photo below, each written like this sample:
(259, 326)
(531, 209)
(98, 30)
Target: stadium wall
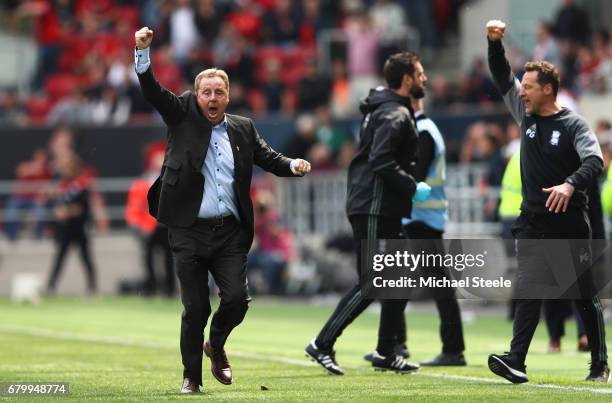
(118, 151)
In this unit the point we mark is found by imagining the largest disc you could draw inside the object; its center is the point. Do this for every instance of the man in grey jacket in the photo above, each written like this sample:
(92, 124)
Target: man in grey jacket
(560, 159)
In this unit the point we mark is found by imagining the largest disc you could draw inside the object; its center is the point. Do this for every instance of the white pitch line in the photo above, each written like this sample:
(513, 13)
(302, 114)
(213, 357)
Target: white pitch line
(605, 391)
(85, 338)
(133, 343)
(282, 360)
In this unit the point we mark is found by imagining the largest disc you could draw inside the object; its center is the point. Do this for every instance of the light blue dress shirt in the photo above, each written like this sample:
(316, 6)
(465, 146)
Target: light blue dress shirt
(218, 170)
(141, 60)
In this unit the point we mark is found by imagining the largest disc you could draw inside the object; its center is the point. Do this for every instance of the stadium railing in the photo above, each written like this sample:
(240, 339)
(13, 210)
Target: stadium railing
(315, 205)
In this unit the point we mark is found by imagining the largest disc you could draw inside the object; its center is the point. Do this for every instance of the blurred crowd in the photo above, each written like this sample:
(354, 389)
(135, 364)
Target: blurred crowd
(581, 51)
(269, 48)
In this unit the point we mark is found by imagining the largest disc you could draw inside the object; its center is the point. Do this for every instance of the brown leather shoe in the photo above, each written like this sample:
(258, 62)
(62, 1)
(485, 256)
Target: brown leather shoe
(583, 343)
(219, 365)
(189, 386)
(554, 346)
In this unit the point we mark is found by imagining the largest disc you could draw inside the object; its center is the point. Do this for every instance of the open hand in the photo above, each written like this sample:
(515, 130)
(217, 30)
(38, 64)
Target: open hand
(558, 197)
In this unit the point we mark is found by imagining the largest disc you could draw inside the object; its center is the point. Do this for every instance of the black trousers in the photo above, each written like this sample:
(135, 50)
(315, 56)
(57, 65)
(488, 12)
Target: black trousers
(370, 229)
(158, 240)
(198, 250)
(572, 225)
(429, 240)
(65, 235)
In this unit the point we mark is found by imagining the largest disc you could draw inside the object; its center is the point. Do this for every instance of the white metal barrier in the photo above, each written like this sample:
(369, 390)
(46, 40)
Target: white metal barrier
(316, 204)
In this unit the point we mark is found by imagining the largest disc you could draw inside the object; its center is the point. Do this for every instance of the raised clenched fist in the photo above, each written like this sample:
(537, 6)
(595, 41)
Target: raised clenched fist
(143, 37)
(300, 167)
(496, 30)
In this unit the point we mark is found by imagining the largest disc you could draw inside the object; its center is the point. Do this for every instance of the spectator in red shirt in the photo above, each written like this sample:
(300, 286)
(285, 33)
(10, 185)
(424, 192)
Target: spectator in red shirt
(152, 235)
(245, 19)
(71, 212)
(51, 19)
(274, 248)
(29, 175)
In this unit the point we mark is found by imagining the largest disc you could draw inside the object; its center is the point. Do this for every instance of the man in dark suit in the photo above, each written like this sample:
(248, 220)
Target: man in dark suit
(202, 195)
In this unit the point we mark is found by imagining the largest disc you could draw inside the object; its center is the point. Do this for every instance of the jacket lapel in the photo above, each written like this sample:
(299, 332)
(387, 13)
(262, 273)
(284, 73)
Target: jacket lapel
(196, 153)
(232, 133)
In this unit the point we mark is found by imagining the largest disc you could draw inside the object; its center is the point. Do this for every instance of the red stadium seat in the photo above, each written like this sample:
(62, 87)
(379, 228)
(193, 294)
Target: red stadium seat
(66, 62)
(96, 6)
(297, 55)
(129, 14)
(38, 107)
(290, 99)
(267, 52)
(74, 51)
(292, 60)
(169, 75)
(292, 76)
(264, 54)
(108, 45)
(59, 85)
(245, 22)
(257, 101)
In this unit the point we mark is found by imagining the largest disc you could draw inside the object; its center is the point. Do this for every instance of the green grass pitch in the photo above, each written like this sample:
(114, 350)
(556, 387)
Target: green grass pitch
(127, 349)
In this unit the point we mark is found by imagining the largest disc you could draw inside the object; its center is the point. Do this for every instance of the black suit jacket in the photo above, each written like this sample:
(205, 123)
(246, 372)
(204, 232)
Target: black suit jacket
(176, 196)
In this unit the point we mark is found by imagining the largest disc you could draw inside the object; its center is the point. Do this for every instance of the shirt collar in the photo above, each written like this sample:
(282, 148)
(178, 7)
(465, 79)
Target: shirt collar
(221, 124)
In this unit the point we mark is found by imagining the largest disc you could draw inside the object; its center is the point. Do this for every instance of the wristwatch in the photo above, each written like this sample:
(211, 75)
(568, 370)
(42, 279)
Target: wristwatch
(571, 181)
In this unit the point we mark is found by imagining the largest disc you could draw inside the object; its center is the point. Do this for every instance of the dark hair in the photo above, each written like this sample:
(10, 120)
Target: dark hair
(547, 74)
(397, 66)
(492, 139)
(605, 124)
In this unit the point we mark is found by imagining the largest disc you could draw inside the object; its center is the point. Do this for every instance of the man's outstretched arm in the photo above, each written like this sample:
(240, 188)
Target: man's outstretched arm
(274, 162)
(508, 85)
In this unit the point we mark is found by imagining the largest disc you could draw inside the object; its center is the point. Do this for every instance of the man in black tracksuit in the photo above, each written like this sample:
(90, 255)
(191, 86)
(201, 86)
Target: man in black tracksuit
(380, 190)
(560, 159)
(425, 230)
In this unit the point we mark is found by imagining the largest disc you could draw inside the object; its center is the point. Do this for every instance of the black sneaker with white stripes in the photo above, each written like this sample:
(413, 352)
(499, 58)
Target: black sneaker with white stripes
(599, 372)
(399, 349)
(393, 362)
(509, 367)
(327, 359)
